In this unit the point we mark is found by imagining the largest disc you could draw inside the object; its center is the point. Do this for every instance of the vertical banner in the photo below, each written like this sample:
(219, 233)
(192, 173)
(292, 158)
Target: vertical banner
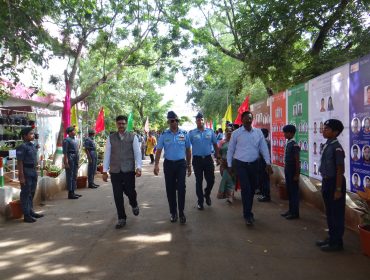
(261, 114)
(278, 120)
(359, 119)
(328, 99)
(298, 116)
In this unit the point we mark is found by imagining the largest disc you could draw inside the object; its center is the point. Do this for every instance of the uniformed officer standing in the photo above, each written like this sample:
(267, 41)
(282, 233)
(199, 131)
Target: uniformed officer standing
(291, 170)
(71, 158)
(27, 163)
(90, 149)
(122, 158)
(333, 186)
(202, 139)
(176, 145)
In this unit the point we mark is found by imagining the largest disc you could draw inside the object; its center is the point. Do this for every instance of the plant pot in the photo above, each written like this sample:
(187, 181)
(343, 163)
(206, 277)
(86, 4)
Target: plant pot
(53, 174)
(81, 182)
(283, 194)
(16, 209)
(100, 168)
(365, 239)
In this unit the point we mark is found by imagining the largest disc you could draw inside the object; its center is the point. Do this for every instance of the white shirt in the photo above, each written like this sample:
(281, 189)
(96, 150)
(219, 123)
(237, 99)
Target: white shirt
(137, 154)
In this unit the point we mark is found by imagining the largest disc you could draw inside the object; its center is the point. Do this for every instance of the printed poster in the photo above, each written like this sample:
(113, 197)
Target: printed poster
(359, 119)
(278, 120)
(261, 114)
(298, 116)
(328, 99)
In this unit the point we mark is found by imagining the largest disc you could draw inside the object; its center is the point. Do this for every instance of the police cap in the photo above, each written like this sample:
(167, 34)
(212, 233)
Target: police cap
(25, 131)
(199, 116)
(171, 115)
(289, 128)
(335, 125)
(70, 129)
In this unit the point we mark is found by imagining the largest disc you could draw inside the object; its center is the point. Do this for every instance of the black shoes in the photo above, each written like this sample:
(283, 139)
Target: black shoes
(92, 186)
(292, 217)
(71, 195)
(320, 243)
(96, 185)
(28, 219)
(331, 248)
(36, 215)
(182, 219)
(200, 206)
(121, 223)
(78, 195)
(136, 210)
(249, 221)
(208, 200)
(264, 199)
(285, 214)
(173, 218)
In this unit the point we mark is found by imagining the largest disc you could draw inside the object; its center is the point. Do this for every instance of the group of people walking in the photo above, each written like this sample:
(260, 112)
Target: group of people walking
(243, 154)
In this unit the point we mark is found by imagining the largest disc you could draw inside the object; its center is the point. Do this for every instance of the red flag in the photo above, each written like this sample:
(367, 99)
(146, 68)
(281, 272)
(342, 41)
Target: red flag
(66, 116)
(244, 107)
(99, 125)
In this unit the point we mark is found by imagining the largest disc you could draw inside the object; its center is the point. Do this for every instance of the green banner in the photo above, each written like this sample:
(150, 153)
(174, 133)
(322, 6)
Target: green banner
(298, 116)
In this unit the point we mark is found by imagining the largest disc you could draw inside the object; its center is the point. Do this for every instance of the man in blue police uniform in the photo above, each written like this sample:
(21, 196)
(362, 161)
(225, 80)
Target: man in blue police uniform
(202, 139)
(245, 146)
(122, 158)
(176, 145)
(90, 149)
(26, 164)
(333, 186)
(71, 158)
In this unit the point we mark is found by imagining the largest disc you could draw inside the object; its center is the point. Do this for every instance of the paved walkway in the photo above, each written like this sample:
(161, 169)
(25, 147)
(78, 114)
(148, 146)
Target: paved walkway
(77, 240)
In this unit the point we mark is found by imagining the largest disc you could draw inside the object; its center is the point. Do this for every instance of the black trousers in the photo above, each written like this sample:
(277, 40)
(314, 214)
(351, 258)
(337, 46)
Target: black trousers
(174, 175)
(292, 190)
(123, 183)
(335, 210)
(203, 167)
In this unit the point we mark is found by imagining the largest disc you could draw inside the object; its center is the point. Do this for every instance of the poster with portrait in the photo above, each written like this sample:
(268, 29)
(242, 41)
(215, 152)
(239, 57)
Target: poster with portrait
(298, 116)
(328, 99)
(359, 120)
(278, 120)
(261, 114)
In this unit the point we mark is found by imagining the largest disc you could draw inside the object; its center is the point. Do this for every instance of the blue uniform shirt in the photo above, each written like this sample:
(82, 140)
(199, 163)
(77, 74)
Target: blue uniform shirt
(27, 153)
(174, 144)
(70, 146)
(89, 145)
(202, 141)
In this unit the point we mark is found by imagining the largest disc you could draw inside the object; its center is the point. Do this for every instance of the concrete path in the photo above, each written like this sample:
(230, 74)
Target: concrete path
(77, 240)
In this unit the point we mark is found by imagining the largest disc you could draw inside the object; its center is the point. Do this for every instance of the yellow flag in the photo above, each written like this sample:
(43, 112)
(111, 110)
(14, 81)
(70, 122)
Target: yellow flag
(228, 117)
(74, 118)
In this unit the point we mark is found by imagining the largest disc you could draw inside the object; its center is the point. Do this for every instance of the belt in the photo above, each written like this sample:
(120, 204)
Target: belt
(174, 160)
(248, 163)
(203, 157)
(71, 153)
(29, 165)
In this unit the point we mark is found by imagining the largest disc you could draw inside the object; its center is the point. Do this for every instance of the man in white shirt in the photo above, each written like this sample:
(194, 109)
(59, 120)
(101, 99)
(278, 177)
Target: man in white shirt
(122, 158)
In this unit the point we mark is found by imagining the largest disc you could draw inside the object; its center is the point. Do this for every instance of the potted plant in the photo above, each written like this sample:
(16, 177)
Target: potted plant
(53, 170)
(81, 182)
(363, 205)
(16, 209)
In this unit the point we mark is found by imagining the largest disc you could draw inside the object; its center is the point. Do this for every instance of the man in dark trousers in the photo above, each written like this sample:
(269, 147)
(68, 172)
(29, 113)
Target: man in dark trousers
(122, 158)
(90, 149)
(333, 186)
(26, 164)
(71, 158)
(202, 139)
(245, 146)
(291, 170)
(176, 145)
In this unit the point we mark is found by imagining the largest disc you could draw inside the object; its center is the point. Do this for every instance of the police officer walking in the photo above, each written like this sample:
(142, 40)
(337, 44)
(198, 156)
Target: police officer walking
(202, 139)
(333, 186)
(90, 149)
(71, 158)
(122, 158)
(176, 145)
(26, 164)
